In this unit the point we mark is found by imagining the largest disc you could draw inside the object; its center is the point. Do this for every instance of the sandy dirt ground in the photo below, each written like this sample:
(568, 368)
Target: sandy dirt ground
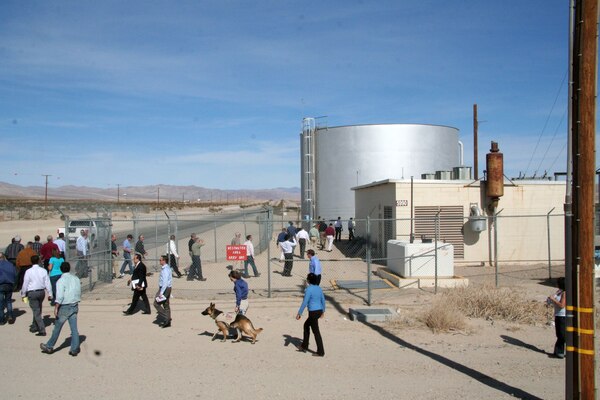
(130, 357)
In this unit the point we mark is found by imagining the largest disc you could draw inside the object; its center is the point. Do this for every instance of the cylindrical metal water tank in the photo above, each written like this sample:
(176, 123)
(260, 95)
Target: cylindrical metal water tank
(461, 173)
(428, 176)
(348, 156)
(443, 175)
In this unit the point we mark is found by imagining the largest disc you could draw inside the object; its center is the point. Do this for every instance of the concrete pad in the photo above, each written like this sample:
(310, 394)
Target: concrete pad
(425, 282)
(353, 284)
(370, 314)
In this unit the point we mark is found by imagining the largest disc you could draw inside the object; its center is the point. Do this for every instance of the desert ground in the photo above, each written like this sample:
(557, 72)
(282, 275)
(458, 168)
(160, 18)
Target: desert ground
(130, 357)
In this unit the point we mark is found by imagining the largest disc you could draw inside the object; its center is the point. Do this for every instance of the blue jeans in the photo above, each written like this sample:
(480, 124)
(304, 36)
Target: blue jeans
(53, 280)
(195, 269)
(66, 312)
(127, 261)
(6, 301)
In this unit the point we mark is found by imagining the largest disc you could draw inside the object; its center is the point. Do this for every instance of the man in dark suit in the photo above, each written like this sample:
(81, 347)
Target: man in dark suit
(138, 285)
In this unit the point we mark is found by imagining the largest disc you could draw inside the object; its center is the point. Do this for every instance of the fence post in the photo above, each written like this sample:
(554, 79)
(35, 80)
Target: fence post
(168, 238)
(549, 248)
(156, 245)
(368, 255)
(215, 238)
(437, 226)
(269, 233)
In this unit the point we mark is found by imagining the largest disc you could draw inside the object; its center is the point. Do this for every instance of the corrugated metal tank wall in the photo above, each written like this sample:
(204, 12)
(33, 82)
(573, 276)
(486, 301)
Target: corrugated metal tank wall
(348, 156)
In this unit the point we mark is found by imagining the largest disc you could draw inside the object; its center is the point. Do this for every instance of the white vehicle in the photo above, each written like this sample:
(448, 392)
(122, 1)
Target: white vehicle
(74, 231)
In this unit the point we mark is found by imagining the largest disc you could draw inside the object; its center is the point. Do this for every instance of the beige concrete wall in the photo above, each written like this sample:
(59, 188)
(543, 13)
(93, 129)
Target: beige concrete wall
(522, 219)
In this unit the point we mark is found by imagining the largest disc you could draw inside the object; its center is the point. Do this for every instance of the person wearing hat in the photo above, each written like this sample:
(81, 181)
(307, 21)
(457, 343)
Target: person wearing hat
(13, 249)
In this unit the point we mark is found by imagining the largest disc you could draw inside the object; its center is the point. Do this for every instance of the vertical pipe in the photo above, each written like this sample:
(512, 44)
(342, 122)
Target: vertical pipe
(368, 254)
(475, 128)
(549, 247)
(496, 245)
(437, 226)
(412, 233)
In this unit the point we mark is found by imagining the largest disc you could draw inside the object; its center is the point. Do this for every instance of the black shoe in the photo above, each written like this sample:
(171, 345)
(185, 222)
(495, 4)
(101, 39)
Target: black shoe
(127, 313)
(46, 349)
(74, 353)
(257, 275)
(33, 329)
(40, 334)
(301, 348)
(318, 355)
(11, 320)
(166, 325)
(146, 312)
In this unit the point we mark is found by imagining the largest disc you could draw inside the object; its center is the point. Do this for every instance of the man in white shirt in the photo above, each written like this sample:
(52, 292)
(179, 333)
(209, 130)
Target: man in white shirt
(351, 225)
(35, 286)
(288, 252)
(82, 247)
(338, 229)
(303, 238)
(250, 257)
(62, 245)
(173, 255)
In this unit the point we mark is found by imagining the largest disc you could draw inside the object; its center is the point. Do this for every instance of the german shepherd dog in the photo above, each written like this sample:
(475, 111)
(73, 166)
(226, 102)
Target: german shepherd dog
(240, 323)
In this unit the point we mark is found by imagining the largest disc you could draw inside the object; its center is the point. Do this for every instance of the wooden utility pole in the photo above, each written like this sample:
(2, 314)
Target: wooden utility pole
(475, 128)
(581, 325)
(46, 193)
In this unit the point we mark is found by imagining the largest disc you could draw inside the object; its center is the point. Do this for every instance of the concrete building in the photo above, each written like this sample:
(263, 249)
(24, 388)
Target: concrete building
(528, 213)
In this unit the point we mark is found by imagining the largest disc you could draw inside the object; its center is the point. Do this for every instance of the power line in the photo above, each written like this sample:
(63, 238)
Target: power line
(546, 123)
(551, 141)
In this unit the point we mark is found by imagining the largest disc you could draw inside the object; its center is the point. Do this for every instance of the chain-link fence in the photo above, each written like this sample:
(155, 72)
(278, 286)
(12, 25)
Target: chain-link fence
(350, 267)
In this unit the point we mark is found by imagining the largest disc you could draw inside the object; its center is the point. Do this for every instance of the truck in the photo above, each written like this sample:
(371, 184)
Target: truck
(97, 230)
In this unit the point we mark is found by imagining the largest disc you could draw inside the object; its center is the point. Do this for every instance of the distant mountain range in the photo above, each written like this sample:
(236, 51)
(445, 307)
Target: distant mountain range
(148, 193)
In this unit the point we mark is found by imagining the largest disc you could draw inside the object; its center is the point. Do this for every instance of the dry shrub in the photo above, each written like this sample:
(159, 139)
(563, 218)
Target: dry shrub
(403, 320)
(493, 303)
(450, 310)
(443, 317)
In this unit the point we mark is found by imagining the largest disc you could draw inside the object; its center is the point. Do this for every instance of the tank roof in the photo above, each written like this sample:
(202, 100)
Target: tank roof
(387, 124)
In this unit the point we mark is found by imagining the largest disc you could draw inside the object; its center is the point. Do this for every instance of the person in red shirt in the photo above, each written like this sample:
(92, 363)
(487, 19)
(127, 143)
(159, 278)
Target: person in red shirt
(46, 250)
(329, 233)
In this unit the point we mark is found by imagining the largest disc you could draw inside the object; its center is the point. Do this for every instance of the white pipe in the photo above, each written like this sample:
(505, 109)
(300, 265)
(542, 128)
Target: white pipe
(461, 153)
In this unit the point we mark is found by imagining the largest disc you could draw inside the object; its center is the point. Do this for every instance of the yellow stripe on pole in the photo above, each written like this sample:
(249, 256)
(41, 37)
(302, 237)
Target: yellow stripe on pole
(580, 309)
(580, 351)
(580, 330)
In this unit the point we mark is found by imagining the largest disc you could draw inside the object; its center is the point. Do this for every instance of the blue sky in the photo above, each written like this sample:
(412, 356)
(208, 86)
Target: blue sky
(212, 93)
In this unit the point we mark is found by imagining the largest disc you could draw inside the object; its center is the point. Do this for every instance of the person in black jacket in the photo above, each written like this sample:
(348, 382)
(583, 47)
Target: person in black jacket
(138, 285)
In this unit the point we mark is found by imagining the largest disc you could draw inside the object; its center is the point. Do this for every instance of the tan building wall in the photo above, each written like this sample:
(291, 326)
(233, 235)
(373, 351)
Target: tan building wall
(522, 233)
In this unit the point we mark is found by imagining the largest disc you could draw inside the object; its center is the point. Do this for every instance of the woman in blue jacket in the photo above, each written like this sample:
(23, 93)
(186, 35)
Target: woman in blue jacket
(315, 301)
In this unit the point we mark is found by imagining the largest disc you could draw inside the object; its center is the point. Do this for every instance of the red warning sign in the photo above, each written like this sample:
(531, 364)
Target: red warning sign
(236, 252)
